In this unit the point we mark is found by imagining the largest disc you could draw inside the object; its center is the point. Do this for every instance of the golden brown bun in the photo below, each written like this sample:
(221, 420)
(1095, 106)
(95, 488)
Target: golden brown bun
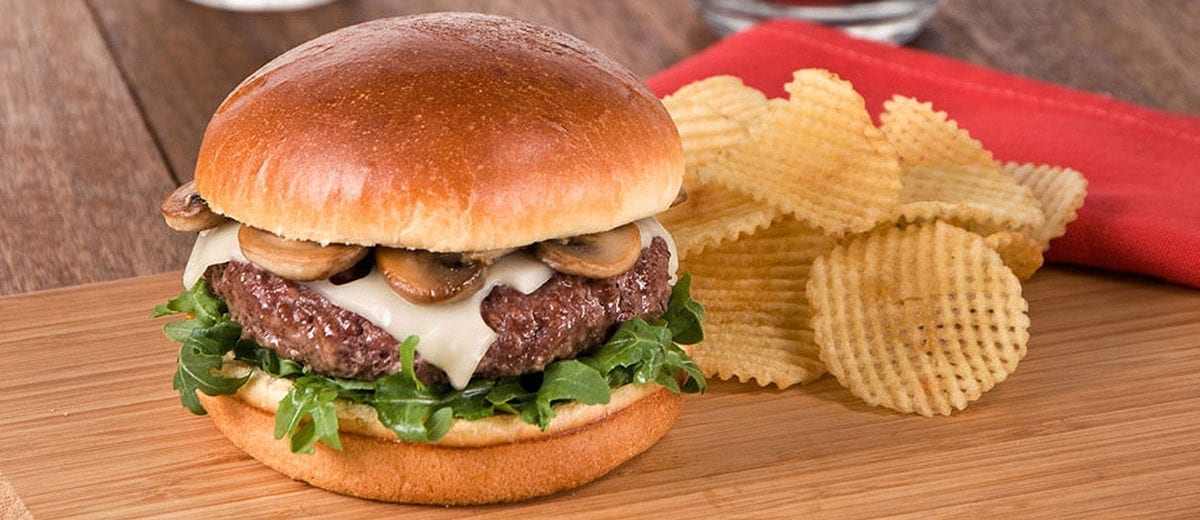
(395, 471)
(447, 132)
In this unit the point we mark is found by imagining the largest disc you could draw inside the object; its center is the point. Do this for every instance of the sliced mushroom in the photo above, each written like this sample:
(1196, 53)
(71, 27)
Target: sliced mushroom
(185, 210)
(680, 198)
(487, 257)
(427, 277)
(598, 255)
(297, 260)
(355, 272)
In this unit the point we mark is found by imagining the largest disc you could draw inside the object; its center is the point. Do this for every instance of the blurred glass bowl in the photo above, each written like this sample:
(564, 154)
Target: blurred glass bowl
(261, 5)
(895, 21)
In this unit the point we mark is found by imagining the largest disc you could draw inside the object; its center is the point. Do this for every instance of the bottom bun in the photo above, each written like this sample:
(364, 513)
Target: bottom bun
(396, 471)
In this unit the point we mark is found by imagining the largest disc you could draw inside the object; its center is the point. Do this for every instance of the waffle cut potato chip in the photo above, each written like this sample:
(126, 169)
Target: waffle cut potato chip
(1061, 192)
(758, 317)
(923, 137)
(922, 319)
(816, 156)
(712, 116)
(981, 199)
(704, 131)
(712, 214)
(1020, 252)
(727, 96)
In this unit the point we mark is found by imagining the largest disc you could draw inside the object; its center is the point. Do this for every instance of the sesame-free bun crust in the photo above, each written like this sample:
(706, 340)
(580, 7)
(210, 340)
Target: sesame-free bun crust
(369, 466)
(446, 131)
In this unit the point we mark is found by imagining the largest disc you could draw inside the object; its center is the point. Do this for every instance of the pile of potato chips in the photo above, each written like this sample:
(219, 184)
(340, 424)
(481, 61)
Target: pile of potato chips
(890, 256)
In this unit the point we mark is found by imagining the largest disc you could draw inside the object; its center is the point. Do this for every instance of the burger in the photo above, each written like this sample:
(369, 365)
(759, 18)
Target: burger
(428, 268)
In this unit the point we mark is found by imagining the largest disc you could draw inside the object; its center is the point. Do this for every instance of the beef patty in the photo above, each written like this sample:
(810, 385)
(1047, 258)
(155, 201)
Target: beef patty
(566, 316)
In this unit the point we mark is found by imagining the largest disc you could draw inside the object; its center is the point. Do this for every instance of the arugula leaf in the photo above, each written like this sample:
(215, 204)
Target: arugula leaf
(415, 414)
(266, 359)
(199, 359)
(509, 395)
(408, 359)
(628, 344)
(677, 361)
(639, 352)
(408, 407)
(178, 331)
(310, 397)
(472, 402)
(206, 336)
(569, 380)
(197, 302)
(684, 314)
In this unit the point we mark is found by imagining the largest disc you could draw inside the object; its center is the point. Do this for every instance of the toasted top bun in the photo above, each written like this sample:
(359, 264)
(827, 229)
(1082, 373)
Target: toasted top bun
(446, 132)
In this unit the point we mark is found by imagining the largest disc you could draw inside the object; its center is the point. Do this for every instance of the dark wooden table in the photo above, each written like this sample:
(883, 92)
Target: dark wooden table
(103, 102)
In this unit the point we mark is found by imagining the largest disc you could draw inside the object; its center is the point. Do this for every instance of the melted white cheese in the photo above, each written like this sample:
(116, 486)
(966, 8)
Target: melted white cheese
(453, 336)
(214, 246)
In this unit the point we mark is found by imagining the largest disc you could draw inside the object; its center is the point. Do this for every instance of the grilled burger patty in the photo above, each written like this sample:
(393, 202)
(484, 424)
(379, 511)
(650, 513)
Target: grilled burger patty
(566, 316)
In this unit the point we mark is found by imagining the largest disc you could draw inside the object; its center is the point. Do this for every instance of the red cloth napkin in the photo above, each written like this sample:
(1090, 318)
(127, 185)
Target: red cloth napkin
(1142, 212)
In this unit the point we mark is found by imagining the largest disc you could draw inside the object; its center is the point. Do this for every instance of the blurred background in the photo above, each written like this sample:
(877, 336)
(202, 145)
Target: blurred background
(103, 102)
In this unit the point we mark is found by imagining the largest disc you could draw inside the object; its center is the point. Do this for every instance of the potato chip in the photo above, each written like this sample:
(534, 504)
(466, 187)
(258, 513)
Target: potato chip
(981, 199)
(711, 115)
(816, 156)
(1061, 192)
(1020, 252)
(704, 132)
(727, 96)
(923, 137)
(712, 214)
(758, 318)
(921, 319)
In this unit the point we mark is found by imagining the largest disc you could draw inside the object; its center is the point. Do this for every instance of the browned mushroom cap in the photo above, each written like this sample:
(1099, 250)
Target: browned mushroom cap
(679, 198)
(599, 255)
(425, 277)
(297, 260)
(487, 257)
(185, 210)
(355, 272)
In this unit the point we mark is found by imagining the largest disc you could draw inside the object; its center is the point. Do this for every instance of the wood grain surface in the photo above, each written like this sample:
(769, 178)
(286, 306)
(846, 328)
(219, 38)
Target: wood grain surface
(1142, 51)
(1100, 420)
(103, 102)
(80, 178)
(223, 47)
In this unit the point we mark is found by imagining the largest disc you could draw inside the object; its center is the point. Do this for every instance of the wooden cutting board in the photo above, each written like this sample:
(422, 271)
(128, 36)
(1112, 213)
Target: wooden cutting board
(1101, 419)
